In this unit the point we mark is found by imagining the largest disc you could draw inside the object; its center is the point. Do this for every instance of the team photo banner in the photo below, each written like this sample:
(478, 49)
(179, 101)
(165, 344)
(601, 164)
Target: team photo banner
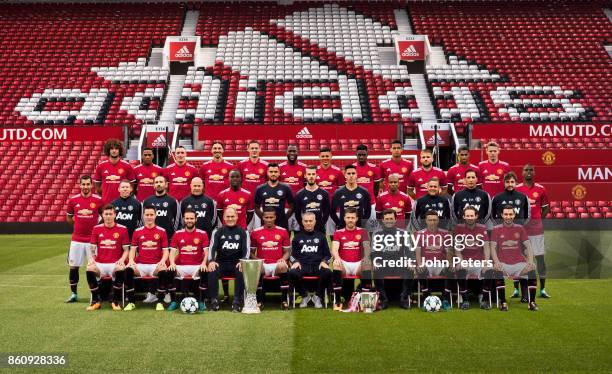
(559, 130)
(60, 133)
(548, 157)
(297, 132)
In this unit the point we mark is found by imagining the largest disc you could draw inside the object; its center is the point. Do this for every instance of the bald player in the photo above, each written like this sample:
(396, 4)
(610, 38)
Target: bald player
(202, 205)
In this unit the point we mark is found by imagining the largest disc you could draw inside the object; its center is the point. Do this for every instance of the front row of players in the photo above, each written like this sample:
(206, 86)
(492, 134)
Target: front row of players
(190, 256)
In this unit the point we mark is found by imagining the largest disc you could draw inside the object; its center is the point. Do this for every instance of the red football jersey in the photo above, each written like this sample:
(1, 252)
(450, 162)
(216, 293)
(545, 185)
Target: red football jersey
(492, 176)
(456, 173)
(351, 243)
(471, 238)
(215, 176)
(270, 243)
(537, 199)
(110, 242)
(330, 179)
(400, 202)
(150, 243)
(509, 242)
(145, 175)
(86, 213)
(432, 244)
(367, 175)
(293, 175)
(253, 174)
(418, 179)
(190, 246)
(403, 168)
(241, 200)
(179, 179)
(111, 175)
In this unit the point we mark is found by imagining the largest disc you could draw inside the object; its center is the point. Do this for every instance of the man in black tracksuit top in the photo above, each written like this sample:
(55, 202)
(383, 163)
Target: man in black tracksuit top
(431, 201)
(350, 195)
(310, 256)
(313, 199)
(166, 207)
(202, 205)
(128, 209)
(275, 195)
(510, 196)
(228, 245)
(471, 196)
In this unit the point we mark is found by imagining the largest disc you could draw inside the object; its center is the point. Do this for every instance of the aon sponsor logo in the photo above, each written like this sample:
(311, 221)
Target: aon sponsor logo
(201, 214)
(309, 249)
(229, 245)
(161, 213)
(125, 216)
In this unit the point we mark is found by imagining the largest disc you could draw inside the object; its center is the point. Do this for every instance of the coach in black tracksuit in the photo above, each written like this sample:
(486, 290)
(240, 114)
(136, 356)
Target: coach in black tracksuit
(128, 209)
(202, 205)
(473, 196)
(510, 196)
(167, 209)
(431, 201)
(310, 256)
(228, 245)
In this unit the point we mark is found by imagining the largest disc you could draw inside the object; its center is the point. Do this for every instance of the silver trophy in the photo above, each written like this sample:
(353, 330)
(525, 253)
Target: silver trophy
(368, 301)
(251, 271)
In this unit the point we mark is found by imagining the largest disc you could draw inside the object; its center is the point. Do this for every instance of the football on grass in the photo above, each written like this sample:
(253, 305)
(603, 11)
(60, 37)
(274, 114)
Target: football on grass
(189, 305)
(432, 303)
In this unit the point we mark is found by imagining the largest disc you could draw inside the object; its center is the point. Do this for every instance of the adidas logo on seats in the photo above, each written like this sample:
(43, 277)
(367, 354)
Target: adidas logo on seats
(304, 134)
(410, 51)
(183, 52)
(160, 141)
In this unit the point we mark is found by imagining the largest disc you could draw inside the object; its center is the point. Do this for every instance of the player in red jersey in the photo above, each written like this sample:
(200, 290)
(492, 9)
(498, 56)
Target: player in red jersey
(111, 172)
(83, 214)
(538, 201)
(188, 258)
(238, 198)
(271, 243)
(254, 172)
(148, 256)
(292, 173)
(351, 254)
(394, 199)
(108, 251)
(456, 173)
(145, 175)
(397, 165)
(329, 178)
(492, 171)
(215, 173)
(417, 181)
(368, 174)
(179, 174)
(507, 243)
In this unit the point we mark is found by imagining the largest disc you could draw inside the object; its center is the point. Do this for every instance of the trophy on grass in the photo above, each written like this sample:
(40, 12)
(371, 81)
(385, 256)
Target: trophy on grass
(368, 301)
(251, 271)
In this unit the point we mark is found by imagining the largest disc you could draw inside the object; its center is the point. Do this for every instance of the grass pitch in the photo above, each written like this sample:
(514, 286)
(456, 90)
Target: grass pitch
(570, 333)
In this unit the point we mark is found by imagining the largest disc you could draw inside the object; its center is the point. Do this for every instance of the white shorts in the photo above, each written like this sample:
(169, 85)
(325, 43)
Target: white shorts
(77, 254)
(537, 243)
(146, 270)
(514, 270)
(192, 271)
(435, 271)
(330, 226)
(269, 269)
(106, 270)
(351, 268)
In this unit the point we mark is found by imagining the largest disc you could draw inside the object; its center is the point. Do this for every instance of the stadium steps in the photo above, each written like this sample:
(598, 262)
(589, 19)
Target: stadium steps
(403, 21)
(156, 58)
(186, 143)
(191, 22)
(132, 152)
(437, 57)
(608, 13)
(423, 98)
(172, 101)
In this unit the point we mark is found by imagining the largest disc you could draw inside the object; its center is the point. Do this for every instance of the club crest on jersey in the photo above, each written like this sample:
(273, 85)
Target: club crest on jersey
(316, 240)
(156, 236)
(319, 197)
(404, 170)
(477, 199)
(299, 173)
(332, 177)
(165, 204)
(260, 171)
(517, 202)
(237, 237)
(535, 194)
(401, 203)
(241, 200)
(116, 235)
(224, 171)
(187, 173)
(130, 207)
(370, 173)
(358, 236)
(277, 237)
(154, 174)
(279, 193)
(359, 195)
(120, 171)
(499, 171)
(92, 205)
(196, 241)
(516, 235)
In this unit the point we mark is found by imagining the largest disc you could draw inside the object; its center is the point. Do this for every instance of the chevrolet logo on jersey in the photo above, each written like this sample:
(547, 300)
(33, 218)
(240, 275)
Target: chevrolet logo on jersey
(291, 180)
(272, 201)
(252, 176)
(235, 206)
(149, 244)
(351, 203)
(313, 205)
(179, 180)
(363, 180)
(113, 178)
(269, 244)
(146, 181)
(189, 248)
(108, 242)
(324, 183)
(351, 245)
(85, 212)
(509, 243)
(215, 177)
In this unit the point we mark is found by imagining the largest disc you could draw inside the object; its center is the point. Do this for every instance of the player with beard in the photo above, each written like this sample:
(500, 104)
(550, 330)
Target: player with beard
(128, 209)
(396, 165)
(368, 175)
(510, 196)
(472, 196)
(145, 174)
(394, 199)
(351, 195)
(431, 202)
(166, 207)
(215, 173)
(329, 178)
(417, 181)
(111, 172)
(275, 195)
(202, 205)
(313, 199)
(179, 174)
(292, 173)
(492, 171)
(253, 172)
(456, 174)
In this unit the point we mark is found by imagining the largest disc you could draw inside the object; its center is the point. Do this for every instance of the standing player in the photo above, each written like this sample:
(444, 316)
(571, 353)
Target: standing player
(202, 205)
(271, 244)
(275, 195)
(148, 256)
(108, 251)
(471, 196)
(215, 172)
(351, 254)
(417, 181)
(145, 174)
(166, 207)
(111, 172)
(292, 171)
(313, 199)
(329, 178)
(228, 245)
(397, 165)
(83, 214)
(310, 253)
(394, 199)
(492, 171)
(368, 174)
(237, 198)
(456, 174)
(431, 202)
(128, 209)
(179, 174)
(507, 243)
(538, 200)
(351, 195)
(188, 256)
(253, 172)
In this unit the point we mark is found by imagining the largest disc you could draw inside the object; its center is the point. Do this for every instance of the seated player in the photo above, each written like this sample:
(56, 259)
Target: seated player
(430, 254)
(107, 254)
(148, 256)
(310, 253)
(351, 253)
(507, 242)
(188, 256)
(271, 244)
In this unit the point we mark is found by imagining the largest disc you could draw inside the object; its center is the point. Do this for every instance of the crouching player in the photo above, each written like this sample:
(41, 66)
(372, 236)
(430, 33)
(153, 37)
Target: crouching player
(188, 254)
(148, 256)
(271, 244)
(108, 251)
(507, 241)
(351, 254)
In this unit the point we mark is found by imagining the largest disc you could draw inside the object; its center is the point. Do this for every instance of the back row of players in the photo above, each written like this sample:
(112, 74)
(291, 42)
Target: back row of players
(253, 187)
